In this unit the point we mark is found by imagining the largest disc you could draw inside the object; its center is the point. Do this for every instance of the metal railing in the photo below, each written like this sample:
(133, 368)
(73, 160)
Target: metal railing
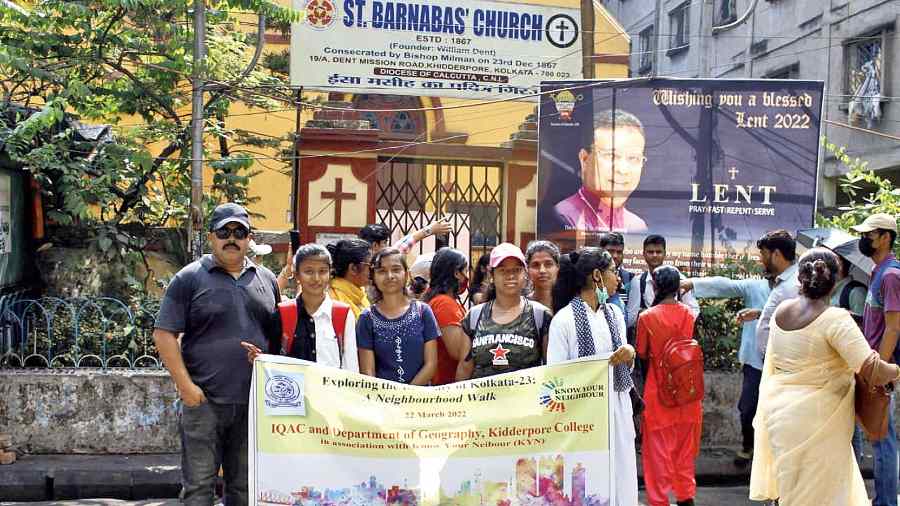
(99, 332)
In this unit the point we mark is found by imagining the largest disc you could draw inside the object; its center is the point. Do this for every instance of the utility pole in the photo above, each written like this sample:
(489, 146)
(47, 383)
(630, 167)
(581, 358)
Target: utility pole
(296, 165)
(198, 120)
(587, 38)
(657, 38)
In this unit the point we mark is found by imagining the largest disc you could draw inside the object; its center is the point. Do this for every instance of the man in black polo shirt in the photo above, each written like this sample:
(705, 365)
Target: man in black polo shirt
(215, 303)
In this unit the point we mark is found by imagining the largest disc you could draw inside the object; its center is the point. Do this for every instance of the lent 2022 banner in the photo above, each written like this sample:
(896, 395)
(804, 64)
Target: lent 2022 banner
(324, 436)
(711, 165)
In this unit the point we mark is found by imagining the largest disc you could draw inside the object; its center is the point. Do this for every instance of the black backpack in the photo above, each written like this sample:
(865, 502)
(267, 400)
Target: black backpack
(844, 301)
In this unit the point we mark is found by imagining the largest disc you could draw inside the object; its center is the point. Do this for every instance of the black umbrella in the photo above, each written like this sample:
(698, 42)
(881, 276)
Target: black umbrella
(841, 243)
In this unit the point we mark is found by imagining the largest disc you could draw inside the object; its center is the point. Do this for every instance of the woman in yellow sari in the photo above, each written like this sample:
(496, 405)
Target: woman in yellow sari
(804, 423)
(351, 273)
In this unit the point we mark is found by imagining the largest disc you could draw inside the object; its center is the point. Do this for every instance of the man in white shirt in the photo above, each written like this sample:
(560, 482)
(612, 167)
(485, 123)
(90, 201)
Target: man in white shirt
(778, 255)
(641, 291)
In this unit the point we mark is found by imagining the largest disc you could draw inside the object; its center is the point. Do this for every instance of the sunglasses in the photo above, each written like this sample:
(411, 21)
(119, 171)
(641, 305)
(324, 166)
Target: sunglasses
(237, 232)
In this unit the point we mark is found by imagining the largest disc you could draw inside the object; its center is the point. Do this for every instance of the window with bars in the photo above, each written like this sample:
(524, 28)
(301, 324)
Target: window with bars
(726, 11)
(865, 59)
(645, 48)
(680, 26)
(789, 72)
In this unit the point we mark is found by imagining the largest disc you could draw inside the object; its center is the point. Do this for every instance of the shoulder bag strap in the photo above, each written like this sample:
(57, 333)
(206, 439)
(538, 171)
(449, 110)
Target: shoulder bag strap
(475, 316)
(643, 289)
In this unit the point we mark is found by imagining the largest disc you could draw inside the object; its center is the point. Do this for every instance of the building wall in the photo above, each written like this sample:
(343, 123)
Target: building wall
(486, 150)
(479, 124)
(491, 125)
(87, 411)
(802, 39)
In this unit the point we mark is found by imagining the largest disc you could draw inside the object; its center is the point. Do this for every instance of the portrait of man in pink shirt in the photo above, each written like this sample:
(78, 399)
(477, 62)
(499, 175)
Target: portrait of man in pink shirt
(610, 171)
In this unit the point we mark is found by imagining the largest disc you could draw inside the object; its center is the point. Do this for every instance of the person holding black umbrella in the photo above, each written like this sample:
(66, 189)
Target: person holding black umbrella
(848, 293)
(881, 326)
(850, 290)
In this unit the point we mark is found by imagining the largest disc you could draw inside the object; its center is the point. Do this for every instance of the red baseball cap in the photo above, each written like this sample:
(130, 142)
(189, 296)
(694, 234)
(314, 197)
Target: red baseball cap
(506, 250)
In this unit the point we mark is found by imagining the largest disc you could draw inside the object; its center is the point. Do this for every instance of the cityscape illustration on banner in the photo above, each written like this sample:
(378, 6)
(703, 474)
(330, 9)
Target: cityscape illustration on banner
(445, 48)
(710, 165)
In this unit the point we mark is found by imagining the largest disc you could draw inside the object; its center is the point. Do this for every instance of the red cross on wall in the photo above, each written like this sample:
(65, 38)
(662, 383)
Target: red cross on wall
(338, 195)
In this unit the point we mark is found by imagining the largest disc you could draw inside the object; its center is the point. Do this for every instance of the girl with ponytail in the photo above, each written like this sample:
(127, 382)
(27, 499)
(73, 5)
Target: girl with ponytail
(449, 279)
(671, 435)
(584, 324)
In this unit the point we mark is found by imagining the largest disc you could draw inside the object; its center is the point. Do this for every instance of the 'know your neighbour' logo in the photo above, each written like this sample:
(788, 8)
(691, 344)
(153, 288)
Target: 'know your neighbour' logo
(548, 398)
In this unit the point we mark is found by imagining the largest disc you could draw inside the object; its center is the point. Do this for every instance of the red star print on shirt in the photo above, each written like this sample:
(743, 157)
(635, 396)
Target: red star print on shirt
(500, 355)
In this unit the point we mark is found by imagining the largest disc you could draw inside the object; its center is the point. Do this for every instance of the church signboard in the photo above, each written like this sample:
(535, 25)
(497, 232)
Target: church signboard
(444, 48)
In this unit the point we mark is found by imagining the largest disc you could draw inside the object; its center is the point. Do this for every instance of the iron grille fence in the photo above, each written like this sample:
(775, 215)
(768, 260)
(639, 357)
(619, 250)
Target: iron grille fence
(81, 332)
(413, 192)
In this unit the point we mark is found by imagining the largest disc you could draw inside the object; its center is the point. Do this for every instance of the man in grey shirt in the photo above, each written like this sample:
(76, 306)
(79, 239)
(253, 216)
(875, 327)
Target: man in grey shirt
(778, 254)
(215, 303)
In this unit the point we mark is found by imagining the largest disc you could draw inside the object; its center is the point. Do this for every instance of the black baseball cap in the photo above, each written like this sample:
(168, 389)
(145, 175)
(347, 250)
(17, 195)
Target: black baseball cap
(229, 213)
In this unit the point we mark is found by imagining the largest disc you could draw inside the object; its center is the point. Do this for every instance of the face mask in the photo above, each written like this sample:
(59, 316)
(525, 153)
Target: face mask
(602, 295)
(463, 286)
(865, 246)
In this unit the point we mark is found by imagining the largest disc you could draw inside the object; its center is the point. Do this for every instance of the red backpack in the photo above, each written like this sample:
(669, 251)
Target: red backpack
(679, 372)
(288, 312)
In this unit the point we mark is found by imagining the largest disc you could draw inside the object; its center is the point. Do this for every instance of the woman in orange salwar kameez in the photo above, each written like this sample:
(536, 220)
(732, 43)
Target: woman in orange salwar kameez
(671, 436)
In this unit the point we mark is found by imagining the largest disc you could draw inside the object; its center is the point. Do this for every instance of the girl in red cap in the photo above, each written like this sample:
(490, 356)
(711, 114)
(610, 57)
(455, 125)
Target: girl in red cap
(507, 332)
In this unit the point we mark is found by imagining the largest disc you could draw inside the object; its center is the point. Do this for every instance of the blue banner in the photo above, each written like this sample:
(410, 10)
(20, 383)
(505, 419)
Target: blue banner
(710, 165)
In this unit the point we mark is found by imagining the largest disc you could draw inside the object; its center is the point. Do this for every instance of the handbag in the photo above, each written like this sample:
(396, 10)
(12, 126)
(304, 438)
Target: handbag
(872, 404)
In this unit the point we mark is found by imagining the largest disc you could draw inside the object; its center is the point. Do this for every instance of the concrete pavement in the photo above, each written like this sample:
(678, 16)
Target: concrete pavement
(66, 477)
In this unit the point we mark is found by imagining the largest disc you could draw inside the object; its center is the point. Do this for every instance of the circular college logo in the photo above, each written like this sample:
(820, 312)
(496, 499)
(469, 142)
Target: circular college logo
(561, 30)
(282, 391)
(320, 14)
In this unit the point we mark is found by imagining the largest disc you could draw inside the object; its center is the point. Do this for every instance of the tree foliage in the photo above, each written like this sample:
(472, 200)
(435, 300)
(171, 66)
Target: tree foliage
(869, 193)
(127, 63)
(717, 329)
